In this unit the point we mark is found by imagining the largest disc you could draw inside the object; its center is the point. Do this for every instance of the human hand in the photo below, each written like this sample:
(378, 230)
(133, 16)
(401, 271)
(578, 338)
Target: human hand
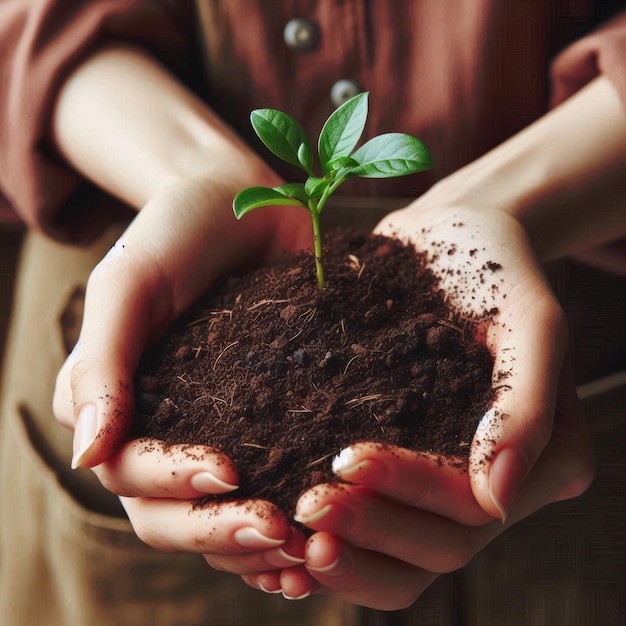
(405, 518)
(486, 265)
(183, 238)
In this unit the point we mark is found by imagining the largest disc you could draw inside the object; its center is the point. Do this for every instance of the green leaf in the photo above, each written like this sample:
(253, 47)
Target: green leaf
(340, 163)
(254, 197)
(282, 135)
(342, 130)
(314, 187)
(305, 158)
(294, 190)
(389, 155)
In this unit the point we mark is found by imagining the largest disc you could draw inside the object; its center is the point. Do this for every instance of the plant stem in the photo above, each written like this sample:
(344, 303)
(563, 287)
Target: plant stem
(317, 242)
(315, 208)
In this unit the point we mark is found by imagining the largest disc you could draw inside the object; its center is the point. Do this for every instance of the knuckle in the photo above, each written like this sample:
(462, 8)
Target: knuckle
(458, 554)
(403, 600)
(580, 473)
(124, 267)
(147, 535)
(578, 485)
(140, 521)
(102, 274)
(119, 272)
(406, 594)
(110, 483)
(78, 372)
(449, 562)
(143, 532)
(423, 492)
(397, 602)
(217, 563)
(473, 516)
(382, 543)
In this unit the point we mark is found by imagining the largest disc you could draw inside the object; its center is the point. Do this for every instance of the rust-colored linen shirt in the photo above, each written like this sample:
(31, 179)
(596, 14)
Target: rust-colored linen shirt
(462, 75)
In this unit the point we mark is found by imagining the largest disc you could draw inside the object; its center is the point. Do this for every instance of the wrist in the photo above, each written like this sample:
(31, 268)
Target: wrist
(566, 187)
(128, 125)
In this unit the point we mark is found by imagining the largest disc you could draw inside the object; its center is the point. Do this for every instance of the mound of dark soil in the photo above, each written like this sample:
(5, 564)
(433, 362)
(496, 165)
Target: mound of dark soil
(281, 376)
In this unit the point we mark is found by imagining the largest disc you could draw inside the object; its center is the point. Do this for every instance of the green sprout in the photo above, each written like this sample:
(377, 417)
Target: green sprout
(386, 156)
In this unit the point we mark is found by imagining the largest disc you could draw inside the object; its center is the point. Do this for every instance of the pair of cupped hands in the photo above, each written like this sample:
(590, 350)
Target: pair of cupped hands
(402, 518)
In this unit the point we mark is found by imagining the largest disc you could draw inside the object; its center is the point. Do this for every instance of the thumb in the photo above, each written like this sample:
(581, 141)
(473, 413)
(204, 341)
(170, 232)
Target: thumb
(165, 257)
(511, 436)
(94, 390)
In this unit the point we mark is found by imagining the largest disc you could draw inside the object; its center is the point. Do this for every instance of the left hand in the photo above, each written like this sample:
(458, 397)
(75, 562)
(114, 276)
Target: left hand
(176, 246)
(405, 518)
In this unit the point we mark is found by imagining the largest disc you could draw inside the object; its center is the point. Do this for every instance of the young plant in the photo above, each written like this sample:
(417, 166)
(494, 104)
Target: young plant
(386, 156)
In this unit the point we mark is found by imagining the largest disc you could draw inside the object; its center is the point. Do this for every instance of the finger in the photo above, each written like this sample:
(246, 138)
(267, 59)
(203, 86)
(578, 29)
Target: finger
(418, 480)
(268, 582)
(218, 528)
(289, 554)
(369, 521)
(566, 467)
(147, 468)
(94, 390)
(294, 583)
(530, 341)
(361, 577)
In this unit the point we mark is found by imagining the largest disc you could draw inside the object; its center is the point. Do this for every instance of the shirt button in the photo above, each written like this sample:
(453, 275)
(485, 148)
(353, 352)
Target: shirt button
(301, 35)
(343, 90)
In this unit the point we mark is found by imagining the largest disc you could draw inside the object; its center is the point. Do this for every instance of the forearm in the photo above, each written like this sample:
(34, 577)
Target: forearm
(563, 177)
(129, 126)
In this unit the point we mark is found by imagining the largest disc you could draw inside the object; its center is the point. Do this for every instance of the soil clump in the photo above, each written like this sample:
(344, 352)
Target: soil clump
(281, 376)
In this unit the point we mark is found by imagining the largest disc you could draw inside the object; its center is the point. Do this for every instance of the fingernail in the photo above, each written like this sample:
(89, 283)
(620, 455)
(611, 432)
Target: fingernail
(292, 559)
(262, 588)
(326, 569)
(84, 433)
(313, 517)
(344, 461)
(249, 537)
(208, 483)
(304, 595)
(346, 466)
(507, 473)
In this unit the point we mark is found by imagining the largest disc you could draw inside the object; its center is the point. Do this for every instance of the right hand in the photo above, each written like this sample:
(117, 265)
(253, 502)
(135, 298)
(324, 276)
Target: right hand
(407, 517)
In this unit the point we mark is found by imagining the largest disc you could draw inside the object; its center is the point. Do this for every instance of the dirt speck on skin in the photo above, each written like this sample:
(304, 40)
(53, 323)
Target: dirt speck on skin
(281, 376)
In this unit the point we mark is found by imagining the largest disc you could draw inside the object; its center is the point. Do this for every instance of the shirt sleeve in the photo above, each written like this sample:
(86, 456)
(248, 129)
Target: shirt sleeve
(601, 52)
(41, 42)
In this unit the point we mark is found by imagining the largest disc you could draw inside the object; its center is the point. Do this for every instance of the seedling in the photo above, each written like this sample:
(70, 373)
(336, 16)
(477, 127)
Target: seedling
(386, 156)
